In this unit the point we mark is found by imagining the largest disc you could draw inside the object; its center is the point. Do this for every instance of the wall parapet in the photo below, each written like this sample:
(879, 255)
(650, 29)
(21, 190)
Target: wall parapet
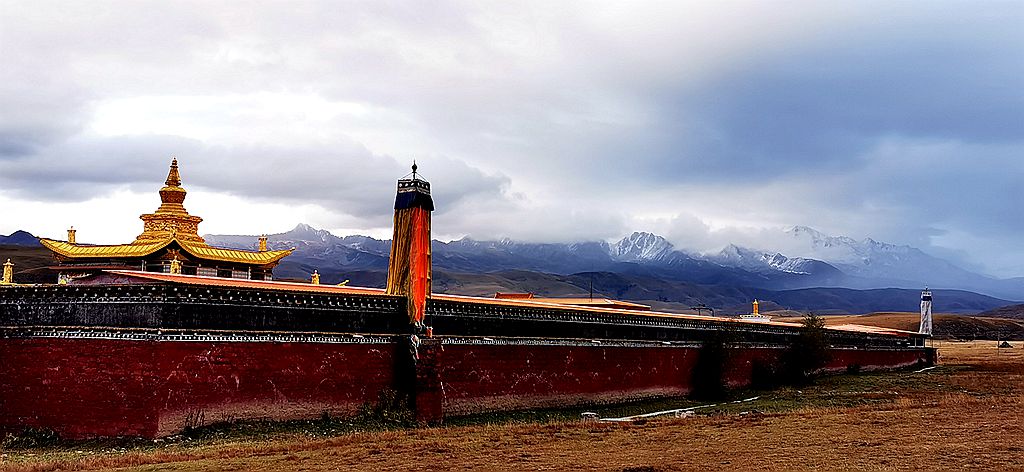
(199, 307)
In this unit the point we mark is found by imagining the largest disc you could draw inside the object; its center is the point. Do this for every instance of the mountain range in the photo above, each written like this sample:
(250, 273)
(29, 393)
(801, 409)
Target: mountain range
(857, 277)
(644, 266)
(872, 264)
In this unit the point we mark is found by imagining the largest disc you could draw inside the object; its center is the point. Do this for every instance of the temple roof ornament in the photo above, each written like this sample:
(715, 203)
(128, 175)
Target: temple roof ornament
(8, 277)
(173, 177)
(175, 265)
(170, 223)
(171, 219)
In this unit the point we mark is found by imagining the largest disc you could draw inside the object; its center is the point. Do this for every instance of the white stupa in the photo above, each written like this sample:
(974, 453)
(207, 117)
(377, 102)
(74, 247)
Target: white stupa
(926, 312)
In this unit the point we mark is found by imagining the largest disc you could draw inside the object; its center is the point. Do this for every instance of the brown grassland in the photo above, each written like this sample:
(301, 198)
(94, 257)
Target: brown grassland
(965, 414)
(946, 326)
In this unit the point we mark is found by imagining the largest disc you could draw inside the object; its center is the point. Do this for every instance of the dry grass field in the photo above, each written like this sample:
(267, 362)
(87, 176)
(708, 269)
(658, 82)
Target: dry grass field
(965, 414)
(946, 326)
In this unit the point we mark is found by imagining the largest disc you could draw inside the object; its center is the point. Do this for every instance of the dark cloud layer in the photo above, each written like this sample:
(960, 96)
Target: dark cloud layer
(344, 177)
(902, 121)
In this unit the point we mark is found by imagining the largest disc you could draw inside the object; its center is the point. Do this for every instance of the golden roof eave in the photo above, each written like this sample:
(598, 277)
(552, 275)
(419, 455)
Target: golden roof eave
(198, 250)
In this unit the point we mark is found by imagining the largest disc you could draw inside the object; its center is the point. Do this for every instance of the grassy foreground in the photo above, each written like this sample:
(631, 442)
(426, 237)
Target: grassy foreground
(965, 414)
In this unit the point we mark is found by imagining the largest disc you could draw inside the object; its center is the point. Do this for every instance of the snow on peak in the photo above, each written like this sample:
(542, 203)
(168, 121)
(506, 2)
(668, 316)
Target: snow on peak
(305, 232)
(641, 246)
(757, 261)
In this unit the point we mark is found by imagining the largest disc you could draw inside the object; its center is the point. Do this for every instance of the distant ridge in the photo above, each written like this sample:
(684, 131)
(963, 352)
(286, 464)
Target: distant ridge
(818, 260)
(1010, 311)
(641, 267)
(653, 273)
(20, 238)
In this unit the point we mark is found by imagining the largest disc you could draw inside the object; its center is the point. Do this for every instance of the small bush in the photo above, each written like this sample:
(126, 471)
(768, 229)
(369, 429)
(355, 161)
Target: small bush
(31, 438)
(808, 353)
(392, 408)
(194, 421)
(765, 375)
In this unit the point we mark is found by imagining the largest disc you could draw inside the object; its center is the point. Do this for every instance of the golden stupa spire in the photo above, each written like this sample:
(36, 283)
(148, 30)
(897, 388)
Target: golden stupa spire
(173, 178)
(171, 219)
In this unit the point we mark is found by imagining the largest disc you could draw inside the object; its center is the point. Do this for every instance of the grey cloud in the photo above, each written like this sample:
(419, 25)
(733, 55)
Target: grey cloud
(344, 177)
(553, 122)
(821, 107)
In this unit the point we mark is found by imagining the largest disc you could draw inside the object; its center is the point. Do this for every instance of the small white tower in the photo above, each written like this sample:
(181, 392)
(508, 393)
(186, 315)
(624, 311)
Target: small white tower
(926, 312)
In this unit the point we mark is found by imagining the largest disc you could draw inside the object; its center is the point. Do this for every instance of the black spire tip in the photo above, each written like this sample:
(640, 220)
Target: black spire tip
(413, 192)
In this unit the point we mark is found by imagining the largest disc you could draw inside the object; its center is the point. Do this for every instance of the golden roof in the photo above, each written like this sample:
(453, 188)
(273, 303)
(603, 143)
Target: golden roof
(170, 223)
(198, 250)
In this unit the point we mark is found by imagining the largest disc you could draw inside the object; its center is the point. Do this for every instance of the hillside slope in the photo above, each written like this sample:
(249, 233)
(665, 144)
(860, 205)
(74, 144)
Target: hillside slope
(1010, 311)
(944, 326)
(30, 263)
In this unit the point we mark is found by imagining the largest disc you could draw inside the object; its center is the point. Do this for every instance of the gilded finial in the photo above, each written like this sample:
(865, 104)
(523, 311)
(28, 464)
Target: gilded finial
(173, 178)
(315, 280)
(171, 214)
(8, 273)
(175, 266)
(71, 235)
(263, 243)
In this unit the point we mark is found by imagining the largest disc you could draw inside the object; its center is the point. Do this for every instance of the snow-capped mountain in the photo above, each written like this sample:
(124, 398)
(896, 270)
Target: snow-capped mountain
(875, 264)
(873, 259)
(640, 253)
(812, 259)
(757, 261)
(641, 247)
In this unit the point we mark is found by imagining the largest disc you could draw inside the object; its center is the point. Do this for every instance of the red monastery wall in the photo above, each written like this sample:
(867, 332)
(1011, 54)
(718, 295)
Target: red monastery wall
(204, 383)
(102, 387)
(876, 359)
(502, 377)
(78, 387)
(96, 387)
(485, 377)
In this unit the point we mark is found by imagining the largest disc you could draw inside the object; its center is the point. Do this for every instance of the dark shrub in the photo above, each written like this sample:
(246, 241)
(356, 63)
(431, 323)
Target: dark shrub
(709, 372)
(31, 438)
(808, 353)
(765, 375)
(392, 408)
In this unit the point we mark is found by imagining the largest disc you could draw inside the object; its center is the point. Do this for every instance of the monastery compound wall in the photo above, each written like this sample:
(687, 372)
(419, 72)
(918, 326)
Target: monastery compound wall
(149, 358)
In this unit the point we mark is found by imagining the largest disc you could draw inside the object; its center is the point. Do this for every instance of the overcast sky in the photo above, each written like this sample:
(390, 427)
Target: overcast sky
(706, 122)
